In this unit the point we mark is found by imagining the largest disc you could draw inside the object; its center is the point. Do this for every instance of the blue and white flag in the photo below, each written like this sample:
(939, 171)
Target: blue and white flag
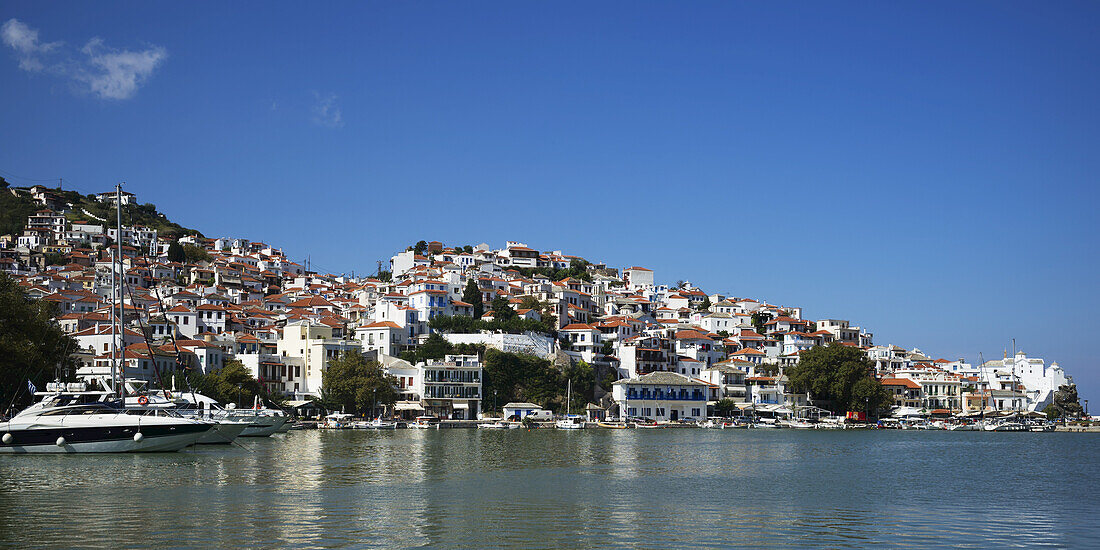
(30, 386)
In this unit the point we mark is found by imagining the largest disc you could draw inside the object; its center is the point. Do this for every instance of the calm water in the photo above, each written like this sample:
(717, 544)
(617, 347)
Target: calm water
(550, 488)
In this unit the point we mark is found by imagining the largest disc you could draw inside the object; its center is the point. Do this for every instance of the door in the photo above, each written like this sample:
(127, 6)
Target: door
(673, 414)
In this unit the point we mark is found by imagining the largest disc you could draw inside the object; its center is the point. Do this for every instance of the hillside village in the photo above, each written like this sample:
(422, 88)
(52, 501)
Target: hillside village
(667, 352)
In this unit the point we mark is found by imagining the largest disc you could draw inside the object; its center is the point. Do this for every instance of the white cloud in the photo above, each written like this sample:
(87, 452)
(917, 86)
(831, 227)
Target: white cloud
(326, 112)
(116, 74)
(107, 73)
(24, 40)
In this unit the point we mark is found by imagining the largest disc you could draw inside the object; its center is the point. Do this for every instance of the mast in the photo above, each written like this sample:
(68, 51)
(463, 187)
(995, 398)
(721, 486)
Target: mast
(121, 387)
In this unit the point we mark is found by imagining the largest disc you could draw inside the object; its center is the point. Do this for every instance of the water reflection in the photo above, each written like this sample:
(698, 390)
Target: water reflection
(542, 488)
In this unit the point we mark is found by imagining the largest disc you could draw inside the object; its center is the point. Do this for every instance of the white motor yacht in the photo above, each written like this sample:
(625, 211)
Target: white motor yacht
(84, 422)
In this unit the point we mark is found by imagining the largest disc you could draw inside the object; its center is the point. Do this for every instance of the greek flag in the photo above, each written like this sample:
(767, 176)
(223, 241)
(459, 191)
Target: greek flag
(30, 386)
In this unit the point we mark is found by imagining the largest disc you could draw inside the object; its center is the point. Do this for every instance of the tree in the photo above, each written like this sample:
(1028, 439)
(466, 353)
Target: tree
(230, 384)
(176, 253)
(608, 348)
(705, 304)
(839, 378)
(1052, 412)
(501, 309)
(32, 346)
(759, 320)
(514, 377)
(468, 249)
(354, 384)
(583, 378)
(726, 407)
(195, 254)
(420, 247)
(472, 296)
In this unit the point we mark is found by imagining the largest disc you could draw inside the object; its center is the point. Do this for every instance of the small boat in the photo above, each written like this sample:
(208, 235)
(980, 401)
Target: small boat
(425, 423)
(499, 425)
(571, 422)
(1009, 427)
(379, 424)
(797, 424)
(648, 425)
(336, 421)
(613, 425)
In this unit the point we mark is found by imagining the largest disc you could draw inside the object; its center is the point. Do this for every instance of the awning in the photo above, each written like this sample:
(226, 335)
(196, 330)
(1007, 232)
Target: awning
(744, 406)
(407, 406)
(297, 403)
(460, 406)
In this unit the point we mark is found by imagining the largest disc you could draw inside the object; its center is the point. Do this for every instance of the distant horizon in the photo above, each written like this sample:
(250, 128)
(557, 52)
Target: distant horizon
(926, 170)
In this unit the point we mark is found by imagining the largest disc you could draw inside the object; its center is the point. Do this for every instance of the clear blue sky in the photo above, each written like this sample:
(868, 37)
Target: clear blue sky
(928, 170)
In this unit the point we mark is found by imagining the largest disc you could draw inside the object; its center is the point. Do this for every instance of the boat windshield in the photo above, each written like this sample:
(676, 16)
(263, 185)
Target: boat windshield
(90, 408)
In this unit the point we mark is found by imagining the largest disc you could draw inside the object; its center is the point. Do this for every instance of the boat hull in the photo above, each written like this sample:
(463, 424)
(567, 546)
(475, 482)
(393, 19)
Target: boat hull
(102, 439)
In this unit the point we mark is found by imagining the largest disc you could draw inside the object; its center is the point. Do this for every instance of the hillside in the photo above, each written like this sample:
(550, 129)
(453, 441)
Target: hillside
(16, 204)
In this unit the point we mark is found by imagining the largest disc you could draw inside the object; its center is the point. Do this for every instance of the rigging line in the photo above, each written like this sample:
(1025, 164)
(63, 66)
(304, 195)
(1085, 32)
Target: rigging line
(11, 175)
(145, 332)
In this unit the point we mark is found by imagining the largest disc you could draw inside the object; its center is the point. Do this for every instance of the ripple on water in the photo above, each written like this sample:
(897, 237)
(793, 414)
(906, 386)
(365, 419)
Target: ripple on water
(550, 488)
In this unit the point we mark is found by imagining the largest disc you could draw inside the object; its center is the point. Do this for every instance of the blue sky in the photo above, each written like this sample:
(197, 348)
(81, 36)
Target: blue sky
(927, 169)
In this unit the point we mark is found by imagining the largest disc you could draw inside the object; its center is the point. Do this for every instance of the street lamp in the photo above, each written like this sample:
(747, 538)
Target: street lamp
(1086, 408)
(373, 400)
(239, 403)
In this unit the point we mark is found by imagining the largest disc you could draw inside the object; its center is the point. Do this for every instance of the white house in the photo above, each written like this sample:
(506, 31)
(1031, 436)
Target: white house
(661, 396)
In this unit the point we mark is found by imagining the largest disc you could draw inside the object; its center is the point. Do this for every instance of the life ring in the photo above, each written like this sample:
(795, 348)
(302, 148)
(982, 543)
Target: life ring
(143, 400)
(167, 394)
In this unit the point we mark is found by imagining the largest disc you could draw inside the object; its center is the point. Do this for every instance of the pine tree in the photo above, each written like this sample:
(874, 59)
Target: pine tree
(472, 296)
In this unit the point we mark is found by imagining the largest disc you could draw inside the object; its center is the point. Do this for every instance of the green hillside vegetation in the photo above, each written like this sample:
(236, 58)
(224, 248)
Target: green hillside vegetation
(14, 209)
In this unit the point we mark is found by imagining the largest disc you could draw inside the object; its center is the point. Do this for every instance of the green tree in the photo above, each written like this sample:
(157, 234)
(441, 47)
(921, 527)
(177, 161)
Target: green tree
(705, 304)
(502, 310)
(838, 378)
(195, 254)
(356, 385)
(514, 377)
(583, 378)
(32, 346)
(420, 247)
(759, 321)
(468, 249)
(725, 407)
(230, 384)
(607, 348)
(1052, 412)
(176, 253)
(435, 347)
(472, 295)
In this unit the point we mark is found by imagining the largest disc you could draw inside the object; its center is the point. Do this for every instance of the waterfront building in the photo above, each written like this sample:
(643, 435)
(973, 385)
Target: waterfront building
(451, 388)
(661, 396)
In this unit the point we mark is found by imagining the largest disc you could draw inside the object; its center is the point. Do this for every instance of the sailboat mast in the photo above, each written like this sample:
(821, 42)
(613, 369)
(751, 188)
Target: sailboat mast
(121, 384)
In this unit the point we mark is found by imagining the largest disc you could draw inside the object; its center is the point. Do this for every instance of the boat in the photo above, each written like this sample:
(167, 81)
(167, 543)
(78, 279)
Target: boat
(336, 421)
(426, 422)
(499, 425)
(714, 423)
(613, 425)
(1007, 427)
(570, 421)
(797, 424)
(66, 423)
(379, 424)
